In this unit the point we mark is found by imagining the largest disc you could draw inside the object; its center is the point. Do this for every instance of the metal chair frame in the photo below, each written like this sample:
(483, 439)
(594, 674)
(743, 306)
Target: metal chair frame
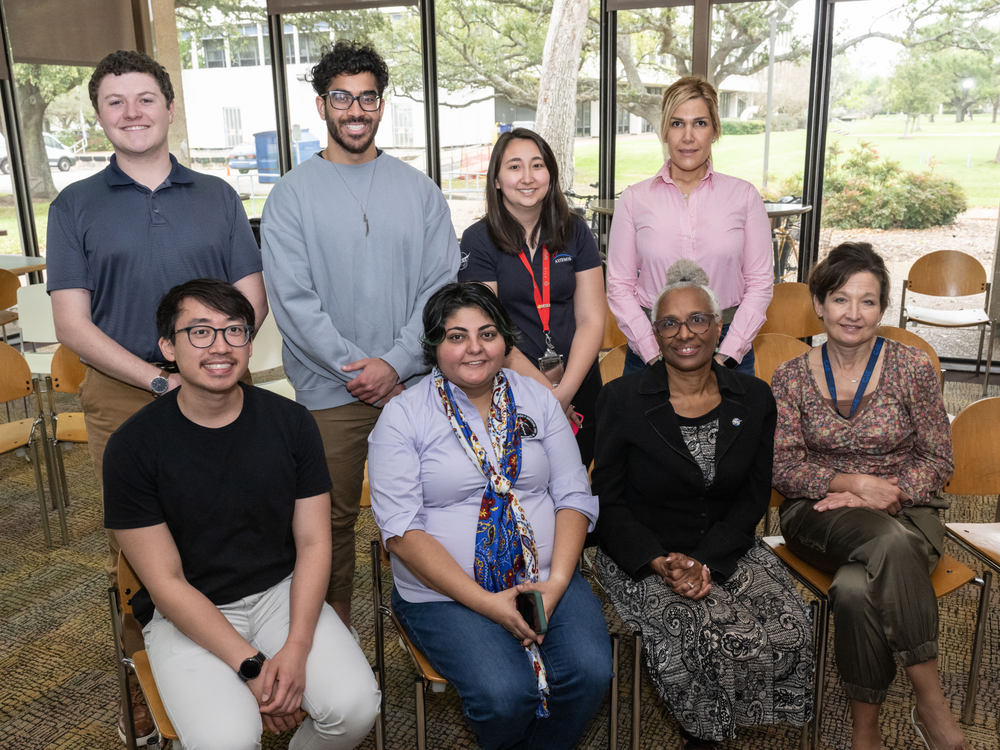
(65, 377)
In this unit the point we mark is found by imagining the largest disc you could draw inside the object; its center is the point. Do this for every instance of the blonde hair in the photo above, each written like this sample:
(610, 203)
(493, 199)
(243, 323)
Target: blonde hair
(684, 90)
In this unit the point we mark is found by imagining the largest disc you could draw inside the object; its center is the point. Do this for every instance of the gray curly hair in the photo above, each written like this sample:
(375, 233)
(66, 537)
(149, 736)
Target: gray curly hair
(682, 274)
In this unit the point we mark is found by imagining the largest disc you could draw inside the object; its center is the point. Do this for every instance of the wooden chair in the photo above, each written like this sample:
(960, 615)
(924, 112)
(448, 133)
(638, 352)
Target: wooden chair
(791, 312)
(613, 335)
(613, 363)
(19, 435)
(909, 338)
(9, 284)
(120, 603)
(950, 273)
(977, 455)
(771, 350)
(69, 427)
(949, 576)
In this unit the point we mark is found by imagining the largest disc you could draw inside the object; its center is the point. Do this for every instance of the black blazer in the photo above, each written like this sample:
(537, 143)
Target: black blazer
(652, 493)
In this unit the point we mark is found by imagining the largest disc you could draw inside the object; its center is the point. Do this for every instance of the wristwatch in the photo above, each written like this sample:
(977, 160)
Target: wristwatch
(731, 363)
(250, 668)
(159, 384)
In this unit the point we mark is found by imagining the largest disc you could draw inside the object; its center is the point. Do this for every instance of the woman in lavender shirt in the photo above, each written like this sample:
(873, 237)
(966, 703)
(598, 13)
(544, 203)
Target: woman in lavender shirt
(479, 493)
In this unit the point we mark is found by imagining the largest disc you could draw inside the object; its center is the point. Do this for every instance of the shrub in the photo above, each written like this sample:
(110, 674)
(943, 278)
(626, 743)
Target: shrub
(742, 127)
(868, 191)
(782, 122)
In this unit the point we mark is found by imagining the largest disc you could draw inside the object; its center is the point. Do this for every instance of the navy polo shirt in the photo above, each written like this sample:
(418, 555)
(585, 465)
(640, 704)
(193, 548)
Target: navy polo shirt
(129, 245)
(484, 261)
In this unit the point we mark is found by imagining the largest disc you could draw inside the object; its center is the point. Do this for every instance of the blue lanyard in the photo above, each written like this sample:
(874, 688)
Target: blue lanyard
(864, 378)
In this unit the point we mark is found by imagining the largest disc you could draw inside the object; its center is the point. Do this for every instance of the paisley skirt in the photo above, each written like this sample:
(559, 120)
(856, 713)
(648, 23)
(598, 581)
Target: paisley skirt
(740, 656)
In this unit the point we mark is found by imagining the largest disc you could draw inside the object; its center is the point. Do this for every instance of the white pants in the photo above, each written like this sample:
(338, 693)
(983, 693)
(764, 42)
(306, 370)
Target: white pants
(212, 709)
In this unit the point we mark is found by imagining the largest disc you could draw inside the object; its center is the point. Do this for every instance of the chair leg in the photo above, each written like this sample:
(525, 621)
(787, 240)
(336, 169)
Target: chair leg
(120, 662)
(613, 709)
(989, 358)
(418, 689)
(822, 625)
(376, 553)
(41, 495)
(58, 496)
(636, 684)
(975, 663)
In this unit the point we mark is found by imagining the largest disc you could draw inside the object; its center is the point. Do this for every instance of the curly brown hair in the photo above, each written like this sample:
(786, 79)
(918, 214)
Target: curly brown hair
(127, 61)
(351, 58)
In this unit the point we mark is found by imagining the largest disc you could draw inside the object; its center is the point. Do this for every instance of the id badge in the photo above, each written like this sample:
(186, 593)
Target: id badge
(551, 366)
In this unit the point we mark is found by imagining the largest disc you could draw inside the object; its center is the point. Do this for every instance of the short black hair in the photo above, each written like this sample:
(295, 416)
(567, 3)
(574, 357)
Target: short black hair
(350, 58)
(127, 61)
(453, 297)
(218, 295)
(845, 260)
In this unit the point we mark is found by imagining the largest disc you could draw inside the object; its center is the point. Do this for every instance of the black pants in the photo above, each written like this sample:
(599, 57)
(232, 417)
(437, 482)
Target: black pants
(584, 402)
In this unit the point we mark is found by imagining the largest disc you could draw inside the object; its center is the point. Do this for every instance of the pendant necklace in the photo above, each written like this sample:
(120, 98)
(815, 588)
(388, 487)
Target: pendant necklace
(364, 207)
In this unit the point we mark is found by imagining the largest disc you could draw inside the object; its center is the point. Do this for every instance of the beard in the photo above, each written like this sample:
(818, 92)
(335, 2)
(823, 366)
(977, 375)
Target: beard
(346, 142)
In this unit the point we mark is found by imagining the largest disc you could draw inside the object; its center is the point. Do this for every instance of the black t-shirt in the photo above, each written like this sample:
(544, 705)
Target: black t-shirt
(484, 261)
(227, 494)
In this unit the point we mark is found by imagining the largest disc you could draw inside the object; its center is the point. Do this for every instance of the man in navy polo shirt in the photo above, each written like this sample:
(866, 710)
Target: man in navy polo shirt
(118, 241)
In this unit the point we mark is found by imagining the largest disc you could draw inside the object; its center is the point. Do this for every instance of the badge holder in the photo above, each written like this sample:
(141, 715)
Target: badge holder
(550, 364)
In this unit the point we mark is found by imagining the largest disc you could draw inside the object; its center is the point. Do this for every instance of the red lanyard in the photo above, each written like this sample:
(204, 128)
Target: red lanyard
(541, 298)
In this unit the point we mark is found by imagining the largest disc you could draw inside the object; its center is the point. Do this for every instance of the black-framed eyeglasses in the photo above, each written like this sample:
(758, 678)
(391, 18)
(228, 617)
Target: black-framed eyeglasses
(202, 337)
(345, 100)
(667, 328)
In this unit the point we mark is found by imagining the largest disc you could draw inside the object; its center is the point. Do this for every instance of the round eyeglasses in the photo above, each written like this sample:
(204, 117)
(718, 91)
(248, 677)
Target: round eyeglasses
(667, 328)
(345, 100)
(202, 337)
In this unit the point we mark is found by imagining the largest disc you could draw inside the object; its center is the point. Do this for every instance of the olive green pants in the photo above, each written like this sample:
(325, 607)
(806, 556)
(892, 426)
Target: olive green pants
(883, 603)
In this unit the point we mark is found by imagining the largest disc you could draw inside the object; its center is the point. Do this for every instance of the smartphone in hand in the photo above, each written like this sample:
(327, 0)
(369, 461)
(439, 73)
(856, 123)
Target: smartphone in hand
(531, 607)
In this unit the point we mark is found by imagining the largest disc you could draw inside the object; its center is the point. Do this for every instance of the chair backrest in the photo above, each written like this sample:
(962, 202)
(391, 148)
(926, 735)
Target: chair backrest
(977, 450)
(613, 363)
(35, 310)
(15, 375)
(791, 312)
(904, 336)
(9, 284)
(67, 370)
(266, 347)
(613, 335)
(946, 273)
(771, 349)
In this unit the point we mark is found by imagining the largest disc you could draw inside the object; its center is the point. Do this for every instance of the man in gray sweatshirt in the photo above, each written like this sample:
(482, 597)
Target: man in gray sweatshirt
(354, 243)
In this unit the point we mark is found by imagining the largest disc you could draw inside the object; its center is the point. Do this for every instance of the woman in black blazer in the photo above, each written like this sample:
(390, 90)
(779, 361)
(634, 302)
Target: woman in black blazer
(683, 471)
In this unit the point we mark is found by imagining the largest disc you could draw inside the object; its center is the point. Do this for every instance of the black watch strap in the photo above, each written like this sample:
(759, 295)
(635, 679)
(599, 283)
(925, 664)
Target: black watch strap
(250, 668)
(731, 363)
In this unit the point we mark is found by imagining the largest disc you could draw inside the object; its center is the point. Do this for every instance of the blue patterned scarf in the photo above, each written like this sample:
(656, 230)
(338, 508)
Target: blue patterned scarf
(506, 554)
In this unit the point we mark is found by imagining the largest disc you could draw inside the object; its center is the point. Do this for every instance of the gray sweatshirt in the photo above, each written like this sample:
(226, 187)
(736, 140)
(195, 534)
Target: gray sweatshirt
(338, 295)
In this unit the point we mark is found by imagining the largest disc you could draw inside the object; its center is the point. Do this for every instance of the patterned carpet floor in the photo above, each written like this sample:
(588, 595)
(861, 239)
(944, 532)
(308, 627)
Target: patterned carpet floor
(58, 686)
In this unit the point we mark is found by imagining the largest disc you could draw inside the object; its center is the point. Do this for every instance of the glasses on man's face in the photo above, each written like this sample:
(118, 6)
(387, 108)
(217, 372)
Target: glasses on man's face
(202, 337)
(667, 328)
(345, 100)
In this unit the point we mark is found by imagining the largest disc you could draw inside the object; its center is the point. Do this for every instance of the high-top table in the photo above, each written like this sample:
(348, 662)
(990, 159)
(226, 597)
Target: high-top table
(21, 264)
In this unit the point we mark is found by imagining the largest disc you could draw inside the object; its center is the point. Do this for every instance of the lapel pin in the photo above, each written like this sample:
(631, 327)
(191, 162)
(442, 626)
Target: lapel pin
(736, 421)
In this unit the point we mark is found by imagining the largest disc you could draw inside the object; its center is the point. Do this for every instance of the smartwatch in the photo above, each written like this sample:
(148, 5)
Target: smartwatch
(159, 385)
(731, 363)
(250, 668)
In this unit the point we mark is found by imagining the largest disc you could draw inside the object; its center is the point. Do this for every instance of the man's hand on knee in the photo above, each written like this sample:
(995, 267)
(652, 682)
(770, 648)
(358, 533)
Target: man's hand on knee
(278, 690)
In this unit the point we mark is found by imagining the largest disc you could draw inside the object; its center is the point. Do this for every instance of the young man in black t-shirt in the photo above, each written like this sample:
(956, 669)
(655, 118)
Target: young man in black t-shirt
(218, 493)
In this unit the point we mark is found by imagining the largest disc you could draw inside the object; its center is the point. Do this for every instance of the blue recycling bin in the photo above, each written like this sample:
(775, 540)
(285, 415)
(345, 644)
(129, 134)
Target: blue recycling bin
(267, 152)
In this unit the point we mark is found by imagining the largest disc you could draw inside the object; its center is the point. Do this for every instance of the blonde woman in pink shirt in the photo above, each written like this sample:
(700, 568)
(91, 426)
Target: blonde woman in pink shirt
(688, 210)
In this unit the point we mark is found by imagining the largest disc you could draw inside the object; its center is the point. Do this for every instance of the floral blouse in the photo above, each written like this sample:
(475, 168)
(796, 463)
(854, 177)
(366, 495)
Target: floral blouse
(904, 431)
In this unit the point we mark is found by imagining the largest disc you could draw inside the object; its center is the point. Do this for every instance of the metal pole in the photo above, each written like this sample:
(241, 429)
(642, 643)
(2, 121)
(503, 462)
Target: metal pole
(432, 135)
(608, 105)
(276, 30)
(819, 107)
(770, 92)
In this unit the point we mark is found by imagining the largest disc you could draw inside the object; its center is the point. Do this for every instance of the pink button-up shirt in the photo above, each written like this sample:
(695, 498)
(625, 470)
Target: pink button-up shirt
(723, 227)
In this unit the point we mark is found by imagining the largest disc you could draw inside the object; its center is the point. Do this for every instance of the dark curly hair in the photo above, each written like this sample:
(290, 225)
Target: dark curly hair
(216, 295)
(126, 61)
(456, 296)
(350, 58)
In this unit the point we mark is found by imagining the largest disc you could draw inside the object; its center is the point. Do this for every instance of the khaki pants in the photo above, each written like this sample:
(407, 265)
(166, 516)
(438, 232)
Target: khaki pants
(882, 599)
(345, 430)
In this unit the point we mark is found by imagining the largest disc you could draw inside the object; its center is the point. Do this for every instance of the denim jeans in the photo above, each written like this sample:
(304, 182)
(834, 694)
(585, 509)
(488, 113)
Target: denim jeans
(494, 678)
(634, 363)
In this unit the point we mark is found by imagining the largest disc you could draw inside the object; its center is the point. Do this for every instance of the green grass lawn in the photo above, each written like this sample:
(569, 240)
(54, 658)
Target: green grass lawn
(639, 157)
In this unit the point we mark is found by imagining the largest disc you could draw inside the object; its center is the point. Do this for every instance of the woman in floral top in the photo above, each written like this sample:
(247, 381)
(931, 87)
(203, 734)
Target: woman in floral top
(861, 445)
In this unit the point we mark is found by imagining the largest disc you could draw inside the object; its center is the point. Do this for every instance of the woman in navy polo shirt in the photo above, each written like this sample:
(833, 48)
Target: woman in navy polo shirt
(543, 264)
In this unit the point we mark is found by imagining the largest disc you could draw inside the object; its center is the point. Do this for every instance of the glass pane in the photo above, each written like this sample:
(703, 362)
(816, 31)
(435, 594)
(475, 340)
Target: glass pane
(654, 50)
(225, 100)
(10, 235)
(909, 163)
(743, 74)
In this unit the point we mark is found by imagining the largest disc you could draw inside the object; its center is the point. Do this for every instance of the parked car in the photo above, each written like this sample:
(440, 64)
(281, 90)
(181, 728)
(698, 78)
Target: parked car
(59, 155)
(243, 157)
